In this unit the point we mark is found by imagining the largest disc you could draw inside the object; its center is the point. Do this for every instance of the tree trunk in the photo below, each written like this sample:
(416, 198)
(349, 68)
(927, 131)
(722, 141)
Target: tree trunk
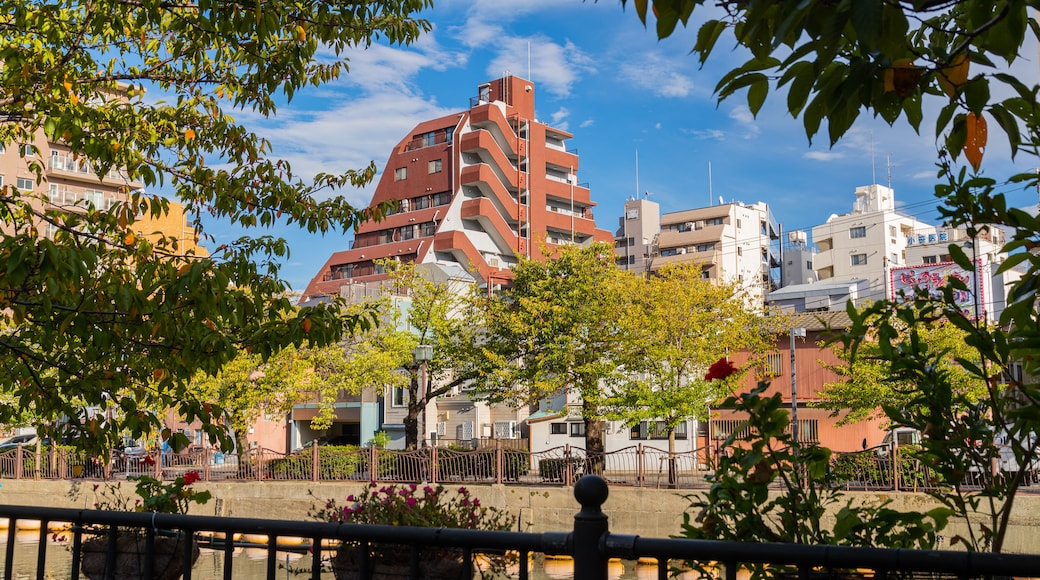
(594, 446)
(411, 420)
(672, 483)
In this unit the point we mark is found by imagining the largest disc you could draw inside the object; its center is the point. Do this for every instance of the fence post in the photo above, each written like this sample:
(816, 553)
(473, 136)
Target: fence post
(499, 462)
(315, 459)
(640, 465)
(568, 469)
(434, 471)
(206, 461)
(590, 527)
(895, 466)
(373, 463)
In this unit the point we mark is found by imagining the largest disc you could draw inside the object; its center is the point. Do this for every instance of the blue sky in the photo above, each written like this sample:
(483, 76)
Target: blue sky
(600, 75)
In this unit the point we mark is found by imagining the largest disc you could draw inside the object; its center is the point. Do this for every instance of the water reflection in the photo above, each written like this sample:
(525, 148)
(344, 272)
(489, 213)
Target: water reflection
(251, 562)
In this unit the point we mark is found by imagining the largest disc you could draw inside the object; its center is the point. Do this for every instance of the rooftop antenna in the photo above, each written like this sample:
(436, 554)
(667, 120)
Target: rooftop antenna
(888, 158)
(711, 196)
(873, 172)
(637, 173)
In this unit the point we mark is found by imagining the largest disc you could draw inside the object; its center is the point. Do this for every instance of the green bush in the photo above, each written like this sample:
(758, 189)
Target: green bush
(555, 469)
(334, 462)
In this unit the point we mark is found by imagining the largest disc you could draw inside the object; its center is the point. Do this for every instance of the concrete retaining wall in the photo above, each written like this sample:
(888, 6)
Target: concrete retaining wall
(642, 511)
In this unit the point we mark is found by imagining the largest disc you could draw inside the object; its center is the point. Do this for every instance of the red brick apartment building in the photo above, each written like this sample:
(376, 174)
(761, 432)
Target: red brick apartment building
(480, 188)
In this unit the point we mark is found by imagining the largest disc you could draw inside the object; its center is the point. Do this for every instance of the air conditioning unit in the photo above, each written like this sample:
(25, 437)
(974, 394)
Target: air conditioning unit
(690, 226)
(681, 251)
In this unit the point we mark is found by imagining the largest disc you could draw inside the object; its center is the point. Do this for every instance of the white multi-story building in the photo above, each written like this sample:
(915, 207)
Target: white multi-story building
(635, 241)
(733, 242)
(865, 243)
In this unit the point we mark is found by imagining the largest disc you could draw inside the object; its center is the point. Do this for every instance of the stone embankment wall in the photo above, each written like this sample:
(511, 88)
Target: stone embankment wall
(641, 511)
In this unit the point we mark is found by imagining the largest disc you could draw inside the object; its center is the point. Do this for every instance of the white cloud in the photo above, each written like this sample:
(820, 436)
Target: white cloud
(654, 73)
(823, 155)
(559, 118)
(924, 175)
(314, 142)
(706, 134)
(742, 115)
(586, 123)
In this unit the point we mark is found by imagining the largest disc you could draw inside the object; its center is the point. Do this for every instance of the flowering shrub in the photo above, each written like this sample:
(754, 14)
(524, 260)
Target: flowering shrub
(408, 505)
(153, 495)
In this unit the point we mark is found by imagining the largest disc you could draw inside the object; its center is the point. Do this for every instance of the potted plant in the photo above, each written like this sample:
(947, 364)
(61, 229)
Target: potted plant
(408, 505)
(130, 545)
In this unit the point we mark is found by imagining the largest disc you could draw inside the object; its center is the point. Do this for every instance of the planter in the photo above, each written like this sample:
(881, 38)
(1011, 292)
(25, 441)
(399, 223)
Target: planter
(168, 557)
(434, 564)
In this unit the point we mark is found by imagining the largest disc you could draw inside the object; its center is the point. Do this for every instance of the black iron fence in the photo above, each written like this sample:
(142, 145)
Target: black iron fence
(95, 537)
(496, 461)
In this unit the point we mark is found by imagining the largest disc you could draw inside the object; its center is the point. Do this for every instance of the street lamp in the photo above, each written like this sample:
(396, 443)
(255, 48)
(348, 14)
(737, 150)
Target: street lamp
(423, 354)
(800, 333)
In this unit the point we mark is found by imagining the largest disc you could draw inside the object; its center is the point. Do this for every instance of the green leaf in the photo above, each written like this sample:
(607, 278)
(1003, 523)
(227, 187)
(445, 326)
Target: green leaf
(866, 21)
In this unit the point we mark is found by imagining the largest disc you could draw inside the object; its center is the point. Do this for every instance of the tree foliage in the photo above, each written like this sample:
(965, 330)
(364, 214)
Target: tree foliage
(557, 331)
(96, 315)
(836, 60)
(678, 324)
(869, 389)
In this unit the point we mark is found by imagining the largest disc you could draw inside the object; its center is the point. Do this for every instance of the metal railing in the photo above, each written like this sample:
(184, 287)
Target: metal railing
(590, 543)
(491, 461)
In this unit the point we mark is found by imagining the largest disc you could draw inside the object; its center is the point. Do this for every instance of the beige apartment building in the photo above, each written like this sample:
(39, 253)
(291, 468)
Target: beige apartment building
(68, 183)
(733, 242)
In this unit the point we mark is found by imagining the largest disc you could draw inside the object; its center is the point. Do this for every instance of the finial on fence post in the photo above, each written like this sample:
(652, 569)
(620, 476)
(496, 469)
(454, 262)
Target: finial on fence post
(590, 528)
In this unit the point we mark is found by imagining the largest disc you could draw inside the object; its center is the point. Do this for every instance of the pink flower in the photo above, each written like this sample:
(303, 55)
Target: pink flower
(412, 501)
(721, 369)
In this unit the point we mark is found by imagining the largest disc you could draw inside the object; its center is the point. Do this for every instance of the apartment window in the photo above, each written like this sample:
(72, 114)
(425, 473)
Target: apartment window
(443, 198)
(657, 430)
(400, 174)
(26, 150)
(631, 260)
(808, 265)
(558, 428)
(577, 429)
(631, 242)
(740, 252)
(706, 273)
(705, 247)
(931, 259)
(399, 397)
(407, 232)
(436, 165)
(1, 180)
(718, 222)
(2, 148)
(892, 231)
(24, 184)
(894, 258)
(402, 206)
(775, 363)
(449, 134)
(858, 232)
(738, 223)
(428, 229)
(428, 139)
(859, 259)
(668, 252)
(421, 202)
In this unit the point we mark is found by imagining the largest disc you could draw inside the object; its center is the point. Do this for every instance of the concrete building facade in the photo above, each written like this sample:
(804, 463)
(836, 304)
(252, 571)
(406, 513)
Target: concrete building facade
(866, 242)
(733, 242)
(482, 188)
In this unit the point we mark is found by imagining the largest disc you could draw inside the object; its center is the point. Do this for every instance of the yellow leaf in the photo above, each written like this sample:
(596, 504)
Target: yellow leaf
(189, 134)
(301, 33)
(129, 239)
(953, 76)
(74, 98)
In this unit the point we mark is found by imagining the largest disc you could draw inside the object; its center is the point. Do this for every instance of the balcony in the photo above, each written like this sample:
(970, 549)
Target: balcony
(80, 169)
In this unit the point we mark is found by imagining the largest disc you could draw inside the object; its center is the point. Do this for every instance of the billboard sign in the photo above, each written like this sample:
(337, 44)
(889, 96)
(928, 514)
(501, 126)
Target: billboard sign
(907, 280)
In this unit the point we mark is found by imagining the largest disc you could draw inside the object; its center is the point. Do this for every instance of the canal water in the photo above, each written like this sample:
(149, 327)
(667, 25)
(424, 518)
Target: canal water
(251, 563)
